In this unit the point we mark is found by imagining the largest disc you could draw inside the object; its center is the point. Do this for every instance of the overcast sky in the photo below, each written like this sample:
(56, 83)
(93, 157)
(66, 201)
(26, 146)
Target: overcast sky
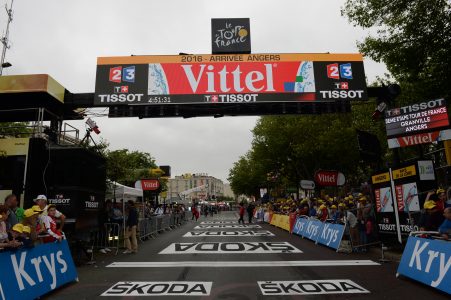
(63, 38)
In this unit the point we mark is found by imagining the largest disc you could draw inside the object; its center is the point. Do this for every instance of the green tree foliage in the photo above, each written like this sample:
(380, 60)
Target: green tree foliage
(15, 129)
(413, 39)
(127, 167)
(286, 149)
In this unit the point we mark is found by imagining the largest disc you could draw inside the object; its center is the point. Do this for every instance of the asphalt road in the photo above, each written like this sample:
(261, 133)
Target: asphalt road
(278, 266)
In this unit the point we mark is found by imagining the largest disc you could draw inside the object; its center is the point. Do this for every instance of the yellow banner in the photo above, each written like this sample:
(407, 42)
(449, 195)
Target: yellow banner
(32, 84)
(281, 221)
(404, 172)
(15, 146)
(203, 58)
(379, 178)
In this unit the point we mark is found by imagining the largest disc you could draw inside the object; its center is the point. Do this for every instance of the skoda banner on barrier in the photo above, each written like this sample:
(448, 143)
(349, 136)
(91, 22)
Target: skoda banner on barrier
(427, 261)
(236, 78)
(31, 273)
(327, 234)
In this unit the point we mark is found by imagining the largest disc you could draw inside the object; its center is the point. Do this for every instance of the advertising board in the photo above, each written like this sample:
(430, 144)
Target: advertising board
(236, 78)
(416, 118)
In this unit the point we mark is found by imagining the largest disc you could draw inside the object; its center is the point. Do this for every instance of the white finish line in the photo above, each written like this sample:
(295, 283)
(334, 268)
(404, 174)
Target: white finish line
(234, 264)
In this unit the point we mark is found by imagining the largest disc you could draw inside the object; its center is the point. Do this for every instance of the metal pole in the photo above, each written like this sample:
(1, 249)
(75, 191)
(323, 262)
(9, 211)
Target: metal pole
(395, 206)
(5, 39)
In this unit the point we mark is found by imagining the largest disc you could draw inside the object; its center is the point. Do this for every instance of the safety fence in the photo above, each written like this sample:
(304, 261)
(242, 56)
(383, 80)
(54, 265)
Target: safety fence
(110, 237)
(341, 236)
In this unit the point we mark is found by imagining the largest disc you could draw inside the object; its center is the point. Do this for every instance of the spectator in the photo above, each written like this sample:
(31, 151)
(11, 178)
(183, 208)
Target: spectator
(322, 213)
(431, 217)
(130, 233)
(105, 217)
(5, 243)
(445, 228)
(41, 200)
(12, 203)
(49, 222)
(31, 219)
(242, 210)
(25, 238)
(353, 228)
(160, 210)
(250, 211)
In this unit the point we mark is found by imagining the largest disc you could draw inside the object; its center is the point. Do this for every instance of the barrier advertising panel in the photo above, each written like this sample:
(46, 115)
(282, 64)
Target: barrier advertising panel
(233, 78)
(31, 273)
(327, 234)
(427, 261)
(410, 183)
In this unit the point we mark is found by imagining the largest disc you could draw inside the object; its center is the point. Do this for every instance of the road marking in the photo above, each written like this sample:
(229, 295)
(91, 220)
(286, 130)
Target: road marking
(230, 248)
(310, 287)
(229, 233)
(159, 288)
(250, 264)
(226, 226)
(219, 222)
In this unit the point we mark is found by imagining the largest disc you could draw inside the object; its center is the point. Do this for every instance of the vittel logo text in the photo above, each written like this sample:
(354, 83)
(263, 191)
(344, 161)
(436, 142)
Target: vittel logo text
(226, 81)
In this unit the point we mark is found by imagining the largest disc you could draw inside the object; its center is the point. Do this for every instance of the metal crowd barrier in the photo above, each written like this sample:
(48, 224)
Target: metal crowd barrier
(147, 228)
(106, 238)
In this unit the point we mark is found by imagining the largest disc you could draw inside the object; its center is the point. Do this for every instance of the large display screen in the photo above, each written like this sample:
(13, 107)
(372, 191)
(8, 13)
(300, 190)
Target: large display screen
(421, 117)
(238, 78)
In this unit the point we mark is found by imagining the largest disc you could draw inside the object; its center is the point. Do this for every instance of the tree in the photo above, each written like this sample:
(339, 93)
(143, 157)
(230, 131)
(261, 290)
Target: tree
(413, 39)
(127, 167)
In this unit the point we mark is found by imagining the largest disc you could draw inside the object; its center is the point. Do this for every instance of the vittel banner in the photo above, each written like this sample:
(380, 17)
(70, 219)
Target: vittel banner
(236, 78)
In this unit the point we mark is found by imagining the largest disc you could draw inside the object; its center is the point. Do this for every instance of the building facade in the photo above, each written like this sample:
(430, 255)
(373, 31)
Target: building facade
(198, 186)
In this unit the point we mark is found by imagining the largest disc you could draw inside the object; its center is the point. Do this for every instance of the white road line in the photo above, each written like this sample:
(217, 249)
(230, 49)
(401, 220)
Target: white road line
(234, 264)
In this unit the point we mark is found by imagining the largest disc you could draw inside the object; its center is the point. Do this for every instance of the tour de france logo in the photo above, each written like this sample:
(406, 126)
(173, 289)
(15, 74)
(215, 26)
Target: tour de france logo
(230, 34)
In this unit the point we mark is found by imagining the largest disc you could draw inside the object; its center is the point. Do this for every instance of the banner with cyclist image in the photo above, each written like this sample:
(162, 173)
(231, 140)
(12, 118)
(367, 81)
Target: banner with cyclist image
(407, 197)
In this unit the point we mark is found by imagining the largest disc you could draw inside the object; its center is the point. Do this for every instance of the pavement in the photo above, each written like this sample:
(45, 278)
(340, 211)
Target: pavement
(240, 264)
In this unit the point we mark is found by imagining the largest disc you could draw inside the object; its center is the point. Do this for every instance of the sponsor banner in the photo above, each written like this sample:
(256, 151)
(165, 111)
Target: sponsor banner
(281, 221)
(380, 178)
(426, 170)
(329, 178)
(427, 261)
(159, 288)
(150, 184)
(228, 233)
(230, 248)
(219, 222)
(14, 146)
(31, 273)
(232, 226)
(384, 201)
(310, 287)
(421, 117)
(404, 172)
(293, 217)
(407, 197)
(421, 138)
(327, 234)
(236, 78)
(307, 185)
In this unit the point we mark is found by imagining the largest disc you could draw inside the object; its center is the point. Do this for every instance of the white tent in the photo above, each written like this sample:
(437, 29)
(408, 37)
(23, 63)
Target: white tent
(120, 191)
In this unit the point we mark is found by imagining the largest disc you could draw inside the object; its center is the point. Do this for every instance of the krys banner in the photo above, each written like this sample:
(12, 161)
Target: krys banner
(31, 273)
(238, 78)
